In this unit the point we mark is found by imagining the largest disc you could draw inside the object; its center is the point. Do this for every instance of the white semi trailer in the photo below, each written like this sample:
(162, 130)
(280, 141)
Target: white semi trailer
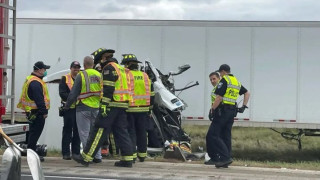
(278, 62)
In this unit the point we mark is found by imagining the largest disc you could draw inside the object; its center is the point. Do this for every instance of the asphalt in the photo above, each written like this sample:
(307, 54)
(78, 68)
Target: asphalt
(56, 168)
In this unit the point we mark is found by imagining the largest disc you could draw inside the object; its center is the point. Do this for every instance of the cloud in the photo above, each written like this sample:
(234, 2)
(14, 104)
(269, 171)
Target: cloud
(156, 10)
(281, 10)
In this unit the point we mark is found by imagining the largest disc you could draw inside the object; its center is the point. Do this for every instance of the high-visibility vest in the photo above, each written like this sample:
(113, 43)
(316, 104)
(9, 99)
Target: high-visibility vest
(139, 87)
(213, 95)
(90, 94)
(70, 82)
(232, 92)
(121, 92)
(25, 103)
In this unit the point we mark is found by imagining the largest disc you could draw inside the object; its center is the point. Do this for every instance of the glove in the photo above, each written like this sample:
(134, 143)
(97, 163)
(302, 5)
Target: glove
(211, 114)
(104, 110)
(241, 110)
(31, 117)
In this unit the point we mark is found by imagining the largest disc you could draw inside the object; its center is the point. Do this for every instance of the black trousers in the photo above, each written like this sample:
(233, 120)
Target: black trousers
(137, 131)
(117, 121)
(218, 137)
(35, 130)
(70, 134)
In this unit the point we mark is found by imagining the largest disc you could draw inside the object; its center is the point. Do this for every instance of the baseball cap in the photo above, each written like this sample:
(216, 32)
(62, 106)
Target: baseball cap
(224, 67)
(40, 65)
(74, 64)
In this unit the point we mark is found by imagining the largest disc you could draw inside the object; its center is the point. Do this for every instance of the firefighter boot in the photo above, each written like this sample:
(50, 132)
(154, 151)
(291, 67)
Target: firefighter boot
(80, 159)
(141, 159)
(123, 164)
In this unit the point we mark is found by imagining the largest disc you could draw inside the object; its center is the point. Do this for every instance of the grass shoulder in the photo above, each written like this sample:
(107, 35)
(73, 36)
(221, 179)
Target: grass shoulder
(262, 147)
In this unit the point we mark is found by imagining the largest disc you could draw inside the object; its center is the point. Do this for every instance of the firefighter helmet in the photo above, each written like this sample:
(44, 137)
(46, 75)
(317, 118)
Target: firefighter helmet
(99, 52)
(129, 58)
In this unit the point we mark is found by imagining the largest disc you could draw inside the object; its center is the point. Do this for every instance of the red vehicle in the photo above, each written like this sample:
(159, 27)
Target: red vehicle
(17, 131)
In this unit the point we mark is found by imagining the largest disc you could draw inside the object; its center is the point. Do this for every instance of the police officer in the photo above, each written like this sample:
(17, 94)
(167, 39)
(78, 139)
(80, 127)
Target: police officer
(35, 101)
(141, 91)
(86, 91)
(214, 79)
(223, 112)
(70, 133)
(112, 112)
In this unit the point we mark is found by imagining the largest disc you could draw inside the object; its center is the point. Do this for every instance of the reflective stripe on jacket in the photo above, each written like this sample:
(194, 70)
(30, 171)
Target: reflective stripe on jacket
(213, 95)
(140, 91)
(25, 103)
(91, 86)
(69, 83)
(121, 92)
(232, 92)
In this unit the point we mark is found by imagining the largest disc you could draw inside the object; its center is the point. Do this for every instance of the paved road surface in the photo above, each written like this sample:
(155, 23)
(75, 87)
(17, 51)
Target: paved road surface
(56, 168)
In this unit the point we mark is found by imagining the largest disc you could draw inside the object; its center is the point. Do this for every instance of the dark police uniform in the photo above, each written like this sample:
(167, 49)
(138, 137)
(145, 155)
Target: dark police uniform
(35, 101)
(70, 132)
(35, 93)
(219, 134)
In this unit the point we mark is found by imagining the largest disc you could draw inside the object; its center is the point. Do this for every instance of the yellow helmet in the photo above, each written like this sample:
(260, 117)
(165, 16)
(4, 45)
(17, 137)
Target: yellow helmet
(129, 58)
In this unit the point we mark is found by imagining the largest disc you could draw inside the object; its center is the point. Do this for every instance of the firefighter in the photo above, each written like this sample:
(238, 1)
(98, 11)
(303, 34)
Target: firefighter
(35, 101)
(223, 112)
(70, 133)
(112, 113)
(139, 109)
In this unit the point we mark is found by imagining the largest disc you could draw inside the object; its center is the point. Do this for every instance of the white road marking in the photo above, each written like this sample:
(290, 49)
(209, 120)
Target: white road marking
(64, 177)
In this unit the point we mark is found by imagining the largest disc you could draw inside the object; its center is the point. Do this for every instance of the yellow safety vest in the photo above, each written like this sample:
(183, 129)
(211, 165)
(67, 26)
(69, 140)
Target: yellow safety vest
(213, 95)
(25, 103)
(139, 87)
(90, 94)
(232, 92)
(70, 82)
(121, 92)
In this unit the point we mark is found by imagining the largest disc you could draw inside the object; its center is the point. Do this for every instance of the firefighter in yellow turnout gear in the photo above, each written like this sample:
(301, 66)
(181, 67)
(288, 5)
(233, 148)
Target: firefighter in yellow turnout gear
(112, 113)
(141, 99)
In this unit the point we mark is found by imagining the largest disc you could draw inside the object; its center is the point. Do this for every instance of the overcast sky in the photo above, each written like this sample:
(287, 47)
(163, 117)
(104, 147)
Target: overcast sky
(264, 10)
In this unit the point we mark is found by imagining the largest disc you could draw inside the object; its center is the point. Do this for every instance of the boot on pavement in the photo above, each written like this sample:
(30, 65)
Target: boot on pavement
(141, 159)
(96, 160)
(211, 162)
(224, 164)
(79, 159)
(123, 164)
